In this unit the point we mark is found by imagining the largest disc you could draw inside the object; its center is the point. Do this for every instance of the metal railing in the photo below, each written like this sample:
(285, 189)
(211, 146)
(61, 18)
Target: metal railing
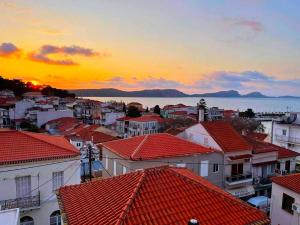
(22, 203)
(239, 177)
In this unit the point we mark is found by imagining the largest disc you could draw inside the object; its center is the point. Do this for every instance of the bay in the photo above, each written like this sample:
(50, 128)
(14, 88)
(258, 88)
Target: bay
(257, 104)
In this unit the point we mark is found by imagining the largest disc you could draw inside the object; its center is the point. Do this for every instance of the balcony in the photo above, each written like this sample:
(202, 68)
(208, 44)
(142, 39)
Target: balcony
(239, 179)
(25, 203)
(283, 138)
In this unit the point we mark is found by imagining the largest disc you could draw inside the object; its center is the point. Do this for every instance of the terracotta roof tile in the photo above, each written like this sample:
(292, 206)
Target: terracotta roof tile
(160, 196)
(154, 146)
(291, 182)
(257, 136)
(264, 147)
(19, 146)
(226, 136)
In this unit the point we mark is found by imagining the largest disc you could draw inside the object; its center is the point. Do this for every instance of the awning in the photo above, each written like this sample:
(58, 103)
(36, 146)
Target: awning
(242, 192)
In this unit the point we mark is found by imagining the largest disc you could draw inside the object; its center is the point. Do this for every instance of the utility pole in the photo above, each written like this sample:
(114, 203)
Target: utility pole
(90, 161)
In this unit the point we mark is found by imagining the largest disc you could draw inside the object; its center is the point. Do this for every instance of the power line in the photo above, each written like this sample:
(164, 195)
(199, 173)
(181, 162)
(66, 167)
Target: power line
(29, 167)
(53, 194)
(47, 181)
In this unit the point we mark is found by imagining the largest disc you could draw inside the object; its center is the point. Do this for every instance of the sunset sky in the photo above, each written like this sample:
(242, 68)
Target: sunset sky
(194, 46)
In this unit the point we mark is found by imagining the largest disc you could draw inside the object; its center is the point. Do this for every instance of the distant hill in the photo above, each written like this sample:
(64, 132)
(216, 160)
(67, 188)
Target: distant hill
(112, 92)
(227, 94)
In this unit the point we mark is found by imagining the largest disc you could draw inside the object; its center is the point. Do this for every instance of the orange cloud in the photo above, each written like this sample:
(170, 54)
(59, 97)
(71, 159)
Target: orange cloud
(9, 50)
(45, 50)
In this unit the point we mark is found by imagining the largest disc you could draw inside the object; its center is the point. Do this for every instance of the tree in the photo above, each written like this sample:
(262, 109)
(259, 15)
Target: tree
(133, 111)
(248, 113)
(156, 109)
(247, 125)
(124, 107)
(29, 127)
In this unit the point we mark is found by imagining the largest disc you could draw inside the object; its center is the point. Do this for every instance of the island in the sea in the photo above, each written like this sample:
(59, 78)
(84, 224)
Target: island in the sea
(112, 92)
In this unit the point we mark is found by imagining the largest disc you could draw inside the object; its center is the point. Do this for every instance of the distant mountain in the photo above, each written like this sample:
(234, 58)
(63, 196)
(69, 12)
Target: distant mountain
(112, 92)
(224, 94)
(255, 94)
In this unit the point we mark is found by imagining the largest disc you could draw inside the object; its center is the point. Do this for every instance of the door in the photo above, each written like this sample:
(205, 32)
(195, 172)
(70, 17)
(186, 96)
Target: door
(264, 171)
(287, 166)
(23, 186)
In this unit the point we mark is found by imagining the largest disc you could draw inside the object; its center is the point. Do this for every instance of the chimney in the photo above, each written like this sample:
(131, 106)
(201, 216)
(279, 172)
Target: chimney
(193, 222)
(200, 115)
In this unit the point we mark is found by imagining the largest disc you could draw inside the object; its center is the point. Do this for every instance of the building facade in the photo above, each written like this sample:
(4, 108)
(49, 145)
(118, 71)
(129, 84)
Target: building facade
(29, 181)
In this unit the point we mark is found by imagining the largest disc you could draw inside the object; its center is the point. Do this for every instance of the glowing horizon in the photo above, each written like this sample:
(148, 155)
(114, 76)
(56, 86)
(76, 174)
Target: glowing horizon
(192, 46)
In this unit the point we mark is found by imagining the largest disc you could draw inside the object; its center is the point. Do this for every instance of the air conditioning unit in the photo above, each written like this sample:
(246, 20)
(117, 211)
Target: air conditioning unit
(296, 208)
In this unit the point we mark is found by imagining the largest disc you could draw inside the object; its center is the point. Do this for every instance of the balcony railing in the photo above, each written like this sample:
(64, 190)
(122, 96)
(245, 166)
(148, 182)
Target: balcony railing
(284, 138)
(239, 178)
(22, 203)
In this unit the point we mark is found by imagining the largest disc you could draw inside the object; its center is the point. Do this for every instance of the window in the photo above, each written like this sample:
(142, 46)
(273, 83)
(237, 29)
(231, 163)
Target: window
(204, 168)
(287, 165)
(55, 218)
(106, 162)
(284, 132)
(183, 165)
(287, 202)
(115, 168)
(57, 180)
(26, 220)
(124, 170)
(23, 186)
(215, 168)
(237, 169)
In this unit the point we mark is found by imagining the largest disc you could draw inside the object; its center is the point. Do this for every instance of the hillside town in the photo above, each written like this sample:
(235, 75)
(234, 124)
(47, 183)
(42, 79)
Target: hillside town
(67, 160)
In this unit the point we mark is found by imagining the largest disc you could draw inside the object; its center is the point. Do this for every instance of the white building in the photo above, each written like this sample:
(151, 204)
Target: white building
(286, 132)
(20, 109)
(10, 216)
(4, 118)
(110, 117)
(237, 152)
(45, 116)
(137, 126)
(32, 167)
(285, 201)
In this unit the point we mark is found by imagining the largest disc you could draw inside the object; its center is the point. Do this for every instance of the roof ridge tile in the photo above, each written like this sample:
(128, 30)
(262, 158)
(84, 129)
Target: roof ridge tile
(131, 199)
(139, 147)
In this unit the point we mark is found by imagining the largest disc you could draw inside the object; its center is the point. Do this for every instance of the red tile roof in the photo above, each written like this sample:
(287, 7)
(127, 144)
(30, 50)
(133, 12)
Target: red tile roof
(237, 157)
(145, 118)
(226, 136)
(175, 130)
(160, 196)
(286, 153)
(19, 147)
(154, 146)
(125, 118)
(257, 136)
(264, 147)
(179, 113)
(63, 124)
(291, 182)
(90, 133)
(168, 107)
